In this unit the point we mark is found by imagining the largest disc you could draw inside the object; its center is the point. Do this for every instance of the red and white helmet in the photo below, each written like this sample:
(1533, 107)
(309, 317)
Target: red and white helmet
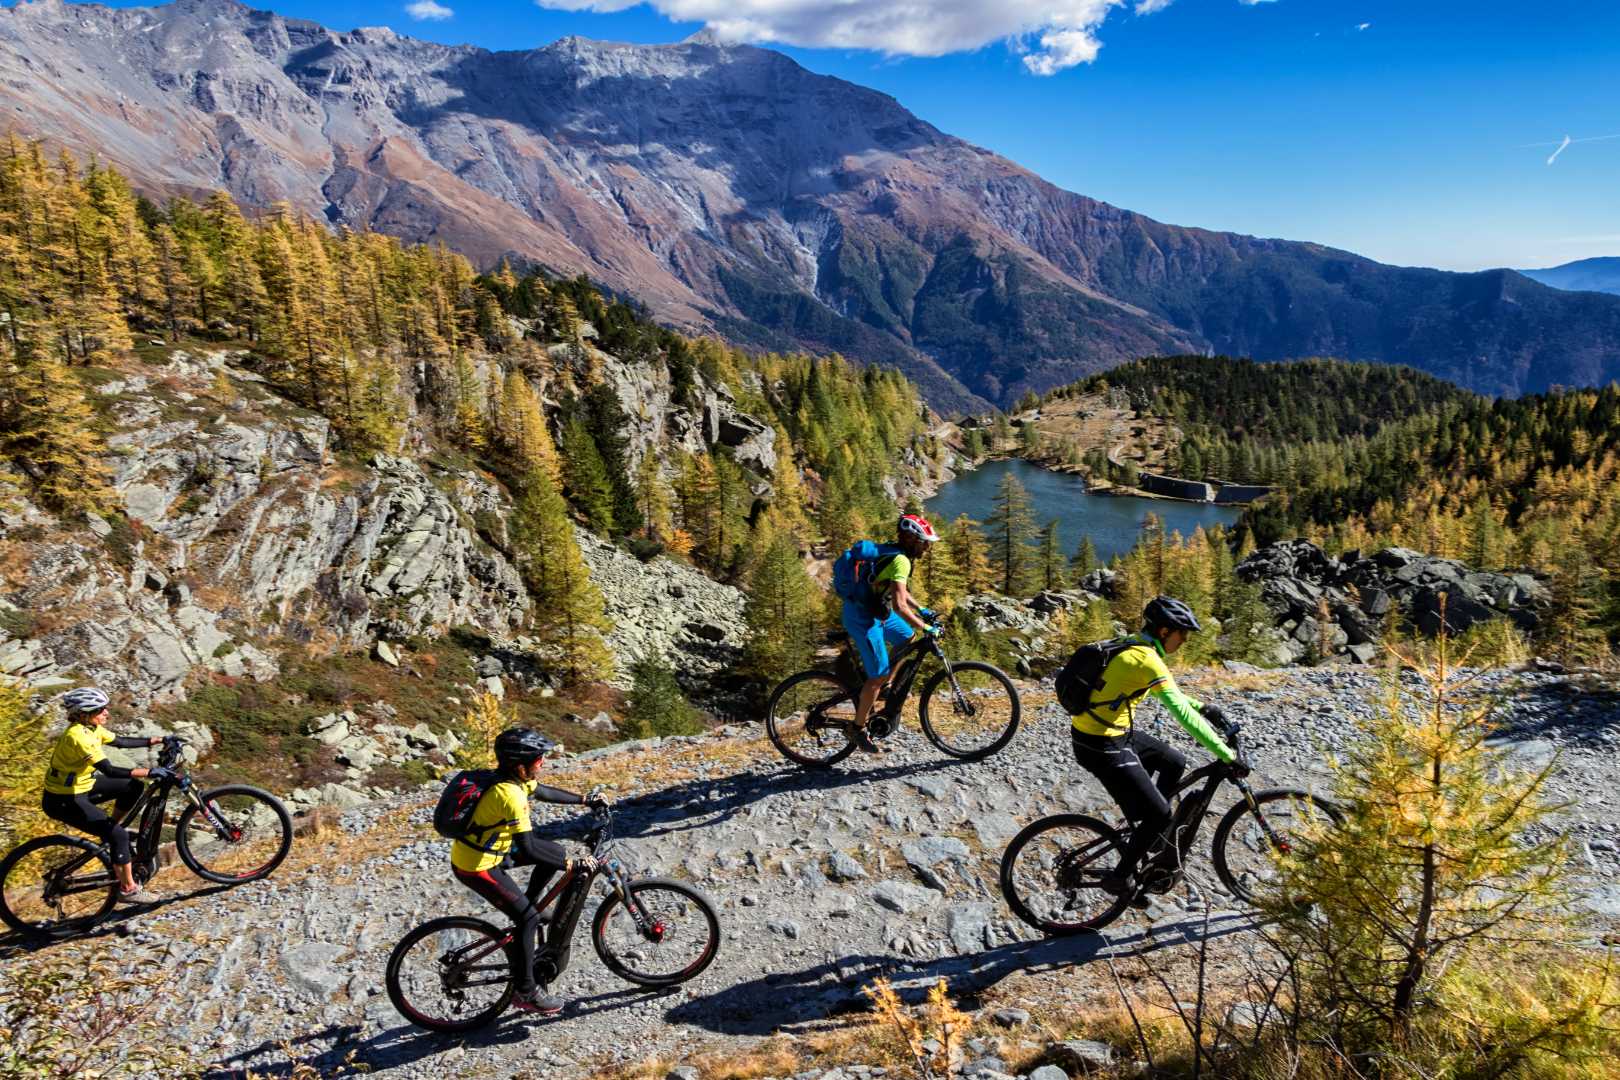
(917, 525)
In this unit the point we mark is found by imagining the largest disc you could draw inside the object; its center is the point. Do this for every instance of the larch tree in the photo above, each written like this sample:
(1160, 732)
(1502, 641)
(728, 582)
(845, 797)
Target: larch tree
(567, 610)
(782, 612)
(1012, 528)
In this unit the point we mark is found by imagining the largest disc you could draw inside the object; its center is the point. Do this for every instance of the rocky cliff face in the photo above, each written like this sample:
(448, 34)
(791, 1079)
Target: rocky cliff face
(238, 531)
(735, 191)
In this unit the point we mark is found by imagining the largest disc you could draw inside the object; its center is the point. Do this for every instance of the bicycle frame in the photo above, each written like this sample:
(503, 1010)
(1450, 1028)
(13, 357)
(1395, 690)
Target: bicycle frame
(1191, 808)
(907, 665)
(150, 810)
(570, 893)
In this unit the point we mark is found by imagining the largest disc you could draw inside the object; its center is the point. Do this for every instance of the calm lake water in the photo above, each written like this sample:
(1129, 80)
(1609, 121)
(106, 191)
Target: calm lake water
(1112, 522)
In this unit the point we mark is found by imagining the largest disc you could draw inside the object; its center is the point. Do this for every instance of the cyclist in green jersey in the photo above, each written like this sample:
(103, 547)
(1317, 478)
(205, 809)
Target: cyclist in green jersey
(1138, 770)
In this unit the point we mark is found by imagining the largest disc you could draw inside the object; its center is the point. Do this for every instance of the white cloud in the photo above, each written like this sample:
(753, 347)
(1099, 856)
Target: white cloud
(428, 9)
(1252, 3)
(1050, 35)
(1363, 26)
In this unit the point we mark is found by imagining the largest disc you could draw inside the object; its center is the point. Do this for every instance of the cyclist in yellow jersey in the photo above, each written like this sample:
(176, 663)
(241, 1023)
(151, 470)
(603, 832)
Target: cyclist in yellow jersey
(1138, 770)
(79, 777)
(501, 835)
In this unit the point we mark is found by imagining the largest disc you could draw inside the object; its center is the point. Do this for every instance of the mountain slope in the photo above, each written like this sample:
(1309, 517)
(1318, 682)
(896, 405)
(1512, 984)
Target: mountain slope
(1583, 275)
(735, 191)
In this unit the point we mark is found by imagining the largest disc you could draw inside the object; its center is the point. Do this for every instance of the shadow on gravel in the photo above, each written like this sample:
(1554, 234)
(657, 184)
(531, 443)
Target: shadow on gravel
(1561, 710)
(704, 803)
(782, 999)
(120, 923)
(402, 1044)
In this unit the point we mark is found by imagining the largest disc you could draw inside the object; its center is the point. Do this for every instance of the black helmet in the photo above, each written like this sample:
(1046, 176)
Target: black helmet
(521, 745)
(1170, 612)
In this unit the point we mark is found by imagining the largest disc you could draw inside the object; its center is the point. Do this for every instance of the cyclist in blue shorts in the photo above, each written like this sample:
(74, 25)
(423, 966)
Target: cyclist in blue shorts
(891, 616)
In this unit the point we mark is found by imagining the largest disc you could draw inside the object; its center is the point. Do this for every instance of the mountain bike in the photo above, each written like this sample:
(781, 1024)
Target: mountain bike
(459, 973)
(811, 715)
(65, 884)
(1051, 871)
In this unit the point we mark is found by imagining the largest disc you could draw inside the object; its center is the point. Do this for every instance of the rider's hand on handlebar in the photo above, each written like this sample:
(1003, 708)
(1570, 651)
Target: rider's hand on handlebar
(1240, 768)
(586, 864)
(1215, 715)
(597, 802)
(159, 773)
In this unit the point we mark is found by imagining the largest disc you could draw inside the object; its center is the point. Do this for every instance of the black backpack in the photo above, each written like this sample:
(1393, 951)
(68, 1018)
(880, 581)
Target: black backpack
(1082, 675)
(452, 818)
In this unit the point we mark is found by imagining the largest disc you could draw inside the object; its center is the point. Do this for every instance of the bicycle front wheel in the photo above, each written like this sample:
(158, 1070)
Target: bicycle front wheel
(671, 938)
(241, 834)
(1250, 840)
(1050, 874)
(811, 719)
(970, 712)
(452, 974)
(56, 885)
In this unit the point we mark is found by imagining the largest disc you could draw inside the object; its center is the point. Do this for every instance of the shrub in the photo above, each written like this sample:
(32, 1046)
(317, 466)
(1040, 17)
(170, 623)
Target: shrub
(657, 705)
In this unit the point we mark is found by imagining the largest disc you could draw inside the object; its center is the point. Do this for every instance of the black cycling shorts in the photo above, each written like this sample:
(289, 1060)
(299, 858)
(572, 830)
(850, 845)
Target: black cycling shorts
(81, 812)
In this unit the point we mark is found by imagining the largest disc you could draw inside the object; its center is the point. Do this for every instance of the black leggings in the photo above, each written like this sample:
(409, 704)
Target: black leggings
(81, 812)
(497, 886)
(1141, 773)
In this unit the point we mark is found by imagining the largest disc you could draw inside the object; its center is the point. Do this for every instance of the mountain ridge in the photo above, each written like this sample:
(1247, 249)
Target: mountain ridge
(1599, 274)
(736, 192)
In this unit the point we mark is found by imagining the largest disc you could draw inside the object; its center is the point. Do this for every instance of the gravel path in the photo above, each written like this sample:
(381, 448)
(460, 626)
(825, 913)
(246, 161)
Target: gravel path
(823, 881)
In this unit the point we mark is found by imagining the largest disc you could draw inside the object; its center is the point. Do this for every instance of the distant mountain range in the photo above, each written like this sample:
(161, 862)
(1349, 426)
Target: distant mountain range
(1582, 275)
(734, 191)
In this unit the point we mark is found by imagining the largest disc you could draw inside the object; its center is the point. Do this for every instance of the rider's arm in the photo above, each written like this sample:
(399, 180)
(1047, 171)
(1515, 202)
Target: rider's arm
(542, 851)
(906, 608)
(115, 772)
(1185, 710)
(135, 742)
(556, 795)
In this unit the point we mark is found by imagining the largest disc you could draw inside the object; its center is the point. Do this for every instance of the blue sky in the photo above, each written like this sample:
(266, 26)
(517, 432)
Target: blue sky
(1398, 130)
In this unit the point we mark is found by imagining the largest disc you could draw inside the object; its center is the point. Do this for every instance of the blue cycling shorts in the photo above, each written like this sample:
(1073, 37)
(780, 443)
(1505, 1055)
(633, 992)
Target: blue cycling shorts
(873, 636)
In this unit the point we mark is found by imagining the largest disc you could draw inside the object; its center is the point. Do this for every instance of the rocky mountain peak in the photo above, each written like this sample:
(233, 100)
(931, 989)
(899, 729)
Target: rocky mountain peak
(734, 191)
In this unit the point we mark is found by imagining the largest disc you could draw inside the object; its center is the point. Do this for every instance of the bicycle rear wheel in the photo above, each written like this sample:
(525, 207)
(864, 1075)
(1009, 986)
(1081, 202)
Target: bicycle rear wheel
(452, 974)
(974, 718)
(1250, 839)
(243, 836)
(683, 939)
(56, 885)
(1050, 874)
(811, 719)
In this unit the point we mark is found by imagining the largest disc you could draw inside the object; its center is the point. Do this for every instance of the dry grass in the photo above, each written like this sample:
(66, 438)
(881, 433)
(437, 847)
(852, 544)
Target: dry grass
(853, 1041)
(1219, 678)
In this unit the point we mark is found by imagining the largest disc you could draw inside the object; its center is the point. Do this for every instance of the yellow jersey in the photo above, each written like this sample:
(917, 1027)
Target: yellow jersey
(1133, 673)
(72, 770)
(501, 814)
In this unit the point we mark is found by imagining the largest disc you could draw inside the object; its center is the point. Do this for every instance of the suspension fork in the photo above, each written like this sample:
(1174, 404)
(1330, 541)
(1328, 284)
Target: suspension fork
(1277, 843)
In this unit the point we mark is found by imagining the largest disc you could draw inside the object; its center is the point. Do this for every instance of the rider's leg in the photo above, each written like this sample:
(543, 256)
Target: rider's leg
(83, 814)
(1116, 765)
(1164, 762)
(871, 640)
(497, 886)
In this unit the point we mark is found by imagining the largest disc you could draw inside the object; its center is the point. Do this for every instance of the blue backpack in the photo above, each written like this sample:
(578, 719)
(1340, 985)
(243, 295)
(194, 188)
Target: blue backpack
(853, 571)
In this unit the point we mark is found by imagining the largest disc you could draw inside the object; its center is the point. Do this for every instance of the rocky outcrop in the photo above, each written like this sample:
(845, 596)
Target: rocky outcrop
(238, 528)
(667, 608)
(1298, 580)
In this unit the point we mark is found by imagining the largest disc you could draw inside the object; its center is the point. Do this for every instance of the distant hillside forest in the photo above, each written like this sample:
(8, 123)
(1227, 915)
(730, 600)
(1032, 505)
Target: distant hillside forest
(1367, 455)
(407, 348)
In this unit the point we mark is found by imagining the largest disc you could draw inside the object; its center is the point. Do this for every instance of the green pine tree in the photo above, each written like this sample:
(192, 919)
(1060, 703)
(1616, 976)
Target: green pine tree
(589, 488)
(657, 705)
(567, 612)
(782, 617)
(1012, 527)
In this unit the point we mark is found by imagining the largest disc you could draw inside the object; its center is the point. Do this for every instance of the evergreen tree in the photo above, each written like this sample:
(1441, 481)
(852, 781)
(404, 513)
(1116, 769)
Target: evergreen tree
(1085, 559)
(48, 430)
(586, 477)
(1051, 561)
(605, 419)
(652, 498)
(1012, 527)
(782, 613)
(567, 613)
(657, 705)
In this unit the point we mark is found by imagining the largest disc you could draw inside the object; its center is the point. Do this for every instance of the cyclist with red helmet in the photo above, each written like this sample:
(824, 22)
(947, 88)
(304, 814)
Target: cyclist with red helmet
(890, 616)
